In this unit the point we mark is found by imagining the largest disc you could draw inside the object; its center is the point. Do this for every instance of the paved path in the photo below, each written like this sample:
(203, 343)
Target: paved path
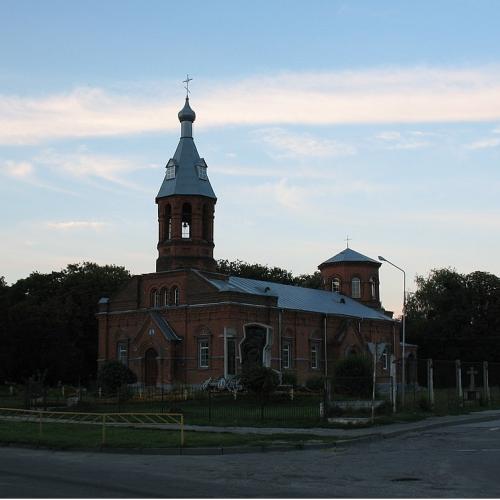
(459, 461)
(377, 431)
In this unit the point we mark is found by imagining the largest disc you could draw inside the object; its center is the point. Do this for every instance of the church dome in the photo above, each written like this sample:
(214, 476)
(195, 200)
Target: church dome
(186, 114)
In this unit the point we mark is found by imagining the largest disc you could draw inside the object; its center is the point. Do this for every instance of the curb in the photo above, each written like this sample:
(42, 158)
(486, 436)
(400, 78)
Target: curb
(233, 450)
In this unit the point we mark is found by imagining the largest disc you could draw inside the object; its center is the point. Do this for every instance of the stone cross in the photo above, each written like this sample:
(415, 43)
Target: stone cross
(472, 372)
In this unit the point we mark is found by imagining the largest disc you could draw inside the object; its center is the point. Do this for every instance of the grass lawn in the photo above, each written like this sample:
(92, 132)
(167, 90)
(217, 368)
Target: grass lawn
(67, 436)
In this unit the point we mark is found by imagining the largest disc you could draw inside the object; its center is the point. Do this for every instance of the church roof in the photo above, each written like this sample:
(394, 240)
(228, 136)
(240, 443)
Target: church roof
(188, 169)
(164, 327)
(300, 298)
(350, 255)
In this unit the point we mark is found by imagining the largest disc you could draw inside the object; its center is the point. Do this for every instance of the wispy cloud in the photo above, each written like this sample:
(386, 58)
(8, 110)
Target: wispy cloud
(286, 144)
(78, 224)
(18, 170)
(397, 140)
(389, 95)
(492, 141)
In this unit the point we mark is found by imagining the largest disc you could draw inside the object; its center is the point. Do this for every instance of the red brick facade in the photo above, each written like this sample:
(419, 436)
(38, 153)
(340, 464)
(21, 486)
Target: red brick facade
(183, 325)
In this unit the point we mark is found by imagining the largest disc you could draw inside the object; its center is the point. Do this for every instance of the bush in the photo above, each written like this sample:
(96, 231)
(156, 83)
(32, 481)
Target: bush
(316, 383)
(354, 377)
(260, 380)
(289, 378)
(113, 374)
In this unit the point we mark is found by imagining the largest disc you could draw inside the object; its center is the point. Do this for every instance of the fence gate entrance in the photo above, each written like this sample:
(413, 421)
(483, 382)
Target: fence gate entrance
(150, 367)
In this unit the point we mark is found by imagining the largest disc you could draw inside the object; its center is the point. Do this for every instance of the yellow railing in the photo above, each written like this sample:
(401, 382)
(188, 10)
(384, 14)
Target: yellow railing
(103, 419)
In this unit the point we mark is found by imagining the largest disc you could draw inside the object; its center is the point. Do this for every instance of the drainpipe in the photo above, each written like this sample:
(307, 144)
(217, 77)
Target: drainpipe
(280, 340)
(326, 352)
(225, 352)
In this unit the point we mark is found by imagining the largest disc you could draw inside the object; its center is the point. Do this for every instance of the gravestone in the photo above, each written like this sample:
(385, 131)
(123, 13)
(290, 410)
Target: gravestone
(471, 393)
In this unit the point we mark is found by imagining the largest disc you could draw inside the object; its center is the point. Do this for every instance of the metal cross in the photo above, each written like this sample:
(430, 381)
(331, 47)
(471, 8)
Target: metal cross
(186, 81)
(348, 239)
(472, 372)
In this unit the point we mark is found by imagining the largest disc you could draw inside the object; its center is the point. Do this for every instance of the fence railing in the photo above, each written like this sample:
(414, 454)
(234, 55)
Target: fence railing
(105, 420)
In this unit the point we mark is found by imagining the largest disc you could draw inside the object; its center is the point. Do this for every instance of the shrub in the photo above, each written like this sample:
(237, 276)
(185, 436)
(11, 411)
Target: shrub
(353, 376)
(260, 380)
(289, 378)
(113, 374)
(315, 383)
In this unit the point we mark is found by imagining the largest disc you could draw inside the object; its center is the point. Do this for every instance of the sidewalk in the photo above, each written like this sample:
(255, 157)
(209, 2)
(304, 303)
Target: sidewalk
(381, 431)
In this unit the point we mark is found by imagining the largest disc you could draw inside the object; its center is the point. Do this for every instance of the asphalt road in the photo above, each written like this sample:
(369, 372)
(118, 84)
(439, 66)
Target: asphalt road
(461, 461)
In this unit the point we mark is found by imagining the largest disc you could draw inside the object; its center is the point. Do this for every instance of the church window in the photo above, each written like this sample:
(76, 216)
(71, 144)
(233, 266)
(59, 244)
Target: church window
(186, 221)
(205, 223)
(202, 172)
(168, 222)
(231, 356)
(164, 297)
(356, 288)
(174, 296)
(373, 288)
(155, 298)
(122, 352)
(170, 170)
(286, 356)
(315, 356)
(203, 353)
(335, 285)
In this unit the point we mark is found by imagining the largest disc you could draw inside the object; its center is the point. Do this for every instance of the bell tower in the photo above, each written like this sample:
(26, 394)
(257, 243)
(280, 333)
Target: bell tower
(186, 206)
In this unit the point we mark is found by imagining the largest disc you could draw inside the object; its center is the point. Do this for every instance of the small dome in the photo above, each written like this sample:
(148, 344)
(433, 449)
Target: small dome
(186, 113)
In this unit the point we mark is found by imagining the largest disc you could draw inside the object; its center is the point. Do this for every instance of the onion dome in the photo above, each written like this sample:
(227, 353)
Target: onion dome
(186, 114)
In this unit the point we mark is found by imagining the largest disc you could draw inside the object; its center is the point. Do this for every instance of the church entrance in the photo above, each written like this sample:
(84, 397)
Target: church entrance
(150, 367)
(252, 347)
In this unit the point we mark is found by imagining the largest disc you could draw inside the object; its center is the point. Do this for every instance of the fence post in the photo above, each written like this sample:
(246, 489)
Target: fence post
(458, 376)
(430, 382)
(39, 426)
(103, 441)
(394, 387)
(486, 384)
(182, 431)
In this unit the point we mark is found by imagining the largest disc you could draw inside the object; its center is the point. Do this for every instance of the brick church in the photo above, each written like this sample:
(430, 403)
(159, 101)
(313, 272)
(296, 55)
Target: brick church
(185, 322)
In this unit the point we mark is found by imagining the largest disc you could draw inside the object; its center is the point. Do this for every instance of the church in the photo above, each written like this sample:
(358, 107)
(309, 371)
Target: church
(186, 322)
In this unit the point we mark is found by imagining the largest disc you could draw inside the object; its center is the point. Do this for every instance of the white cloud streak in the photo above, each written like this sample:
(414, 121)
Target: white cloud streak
(291, 145)
(392, 95)
(81, 224)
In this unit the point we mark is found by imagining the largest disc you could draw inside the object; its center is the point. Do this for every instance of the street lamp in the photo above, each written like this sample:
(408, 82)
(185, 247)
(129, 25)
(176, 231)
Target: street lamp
(403, 376)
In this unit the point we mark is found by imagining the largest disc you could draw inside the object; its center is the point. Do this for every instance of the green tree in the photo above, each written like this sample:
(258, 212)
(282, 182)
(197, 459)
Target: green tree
(51, 324)
(260, 380)
(353, 376)
(113, 374)
(455, 316)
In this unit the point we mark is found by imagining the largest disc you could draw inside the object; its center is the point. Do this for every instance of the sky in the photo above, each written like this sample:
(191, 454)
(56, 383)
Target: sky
(319, 120)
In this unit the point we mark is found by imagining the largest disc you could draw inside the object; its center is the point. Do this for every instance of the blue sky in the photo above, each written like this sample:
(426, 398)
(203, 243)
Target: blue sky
(377, 120)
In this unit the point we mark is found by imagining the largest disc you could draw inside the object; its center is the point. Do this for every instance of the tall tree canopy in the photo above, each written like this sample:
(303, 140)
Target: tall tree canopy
(456, 316)
(266, 273)
(49, 322)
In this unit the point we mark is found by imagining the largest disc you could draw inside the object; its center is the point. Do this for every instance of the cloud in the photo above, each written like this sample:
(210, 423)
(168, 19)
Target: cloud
(18, 170)
(488, 142)
(389, 95)
(81, 224)
(288, 144)
(82, 164)
(398, 140)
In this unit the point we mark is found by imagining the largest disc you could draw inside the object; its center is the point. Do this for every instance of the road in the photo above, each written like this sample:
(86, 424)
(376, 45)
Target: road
(460, 461)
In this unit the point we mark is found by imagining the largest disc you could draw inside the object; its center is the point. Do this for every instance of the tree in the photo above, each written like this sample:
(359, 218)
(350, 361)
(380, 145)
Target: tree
(266, 273)
(455, 316)
(260, 380)
(353, 376)
(50, 322)
(113, 375)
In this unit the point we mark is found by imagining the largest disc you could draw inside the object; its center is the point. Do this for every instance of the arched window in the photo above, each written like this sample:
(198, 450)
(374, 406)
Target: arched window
(168, 222)
(373, 288)
(186, 220)
(174, 296)
(155, 298)
(336, 285)
(164, 296)
(205, 223)
(356, 288)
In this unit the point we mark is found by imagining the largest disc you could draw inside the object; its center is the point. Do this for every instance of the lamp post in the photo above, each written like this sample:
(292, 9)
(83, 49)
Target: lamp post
(403, 362)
